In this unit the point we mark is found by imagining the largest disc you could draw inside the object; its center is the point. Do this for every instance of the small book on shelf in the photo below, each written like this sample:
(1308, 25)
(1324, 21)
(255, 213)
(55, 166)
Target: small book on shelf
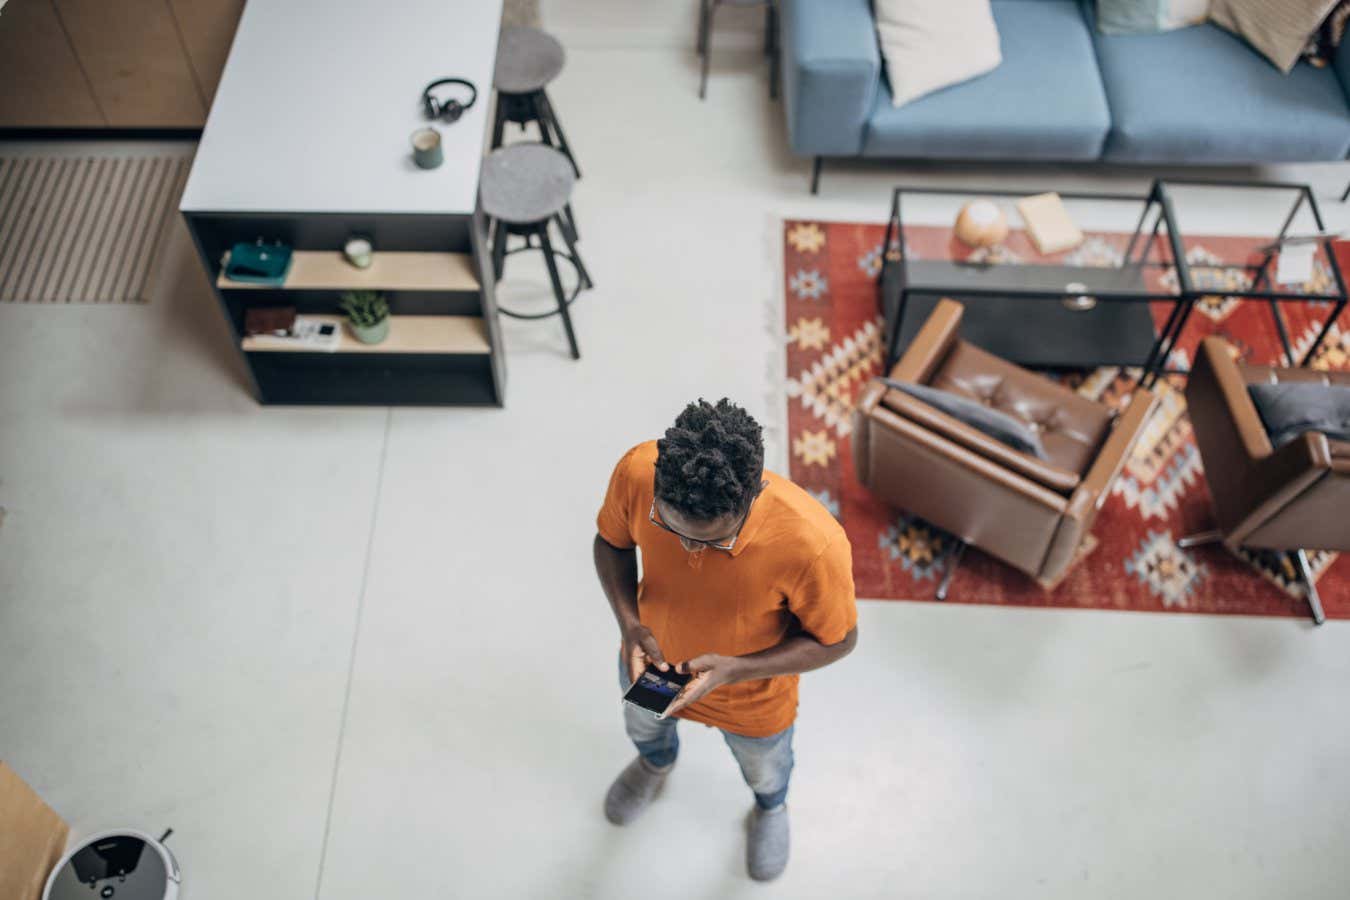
(277, 321)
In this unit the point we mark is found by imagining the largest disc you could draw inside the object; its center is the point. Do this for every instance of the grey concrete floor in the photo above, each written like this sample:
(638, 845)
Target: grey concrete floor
(361, 653)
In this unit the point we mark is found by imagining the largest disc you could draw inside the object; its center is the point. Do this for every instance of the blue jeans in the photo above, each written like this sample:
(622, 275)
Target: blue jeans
(766, 762)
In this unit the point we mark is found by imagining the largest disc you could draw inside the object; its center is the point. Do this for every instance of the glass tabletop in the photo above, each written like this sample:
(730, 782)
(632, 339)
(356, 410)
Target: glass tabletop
(1126, 251)
(1236, 233)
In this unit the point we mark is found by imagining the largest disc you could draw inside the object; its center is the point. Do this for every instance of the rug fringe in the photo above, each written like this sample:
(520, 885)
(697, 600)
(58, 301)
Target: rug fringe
(775, 365)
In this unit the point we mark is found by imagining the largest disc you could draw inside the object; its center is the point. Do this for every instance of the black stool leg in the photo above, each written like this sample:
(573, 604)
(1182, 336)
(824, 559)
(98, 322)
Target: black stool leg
(498, 121)
(557, 128)
(703, 27)
(558, 291)
(771, 41)
(711, 6)
(570, 221)
(499, 250)
(576, 257)
(541, 118)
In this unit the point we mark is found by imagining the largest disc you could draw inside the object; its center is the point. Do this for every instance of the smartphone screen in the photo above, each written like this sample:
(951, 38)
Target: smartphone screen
(655, 690)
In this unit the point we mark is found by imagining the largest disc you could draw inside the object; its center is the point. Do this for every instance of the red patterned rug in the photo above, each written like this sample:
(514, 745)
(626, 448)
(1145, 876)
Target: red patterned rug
(834, 347)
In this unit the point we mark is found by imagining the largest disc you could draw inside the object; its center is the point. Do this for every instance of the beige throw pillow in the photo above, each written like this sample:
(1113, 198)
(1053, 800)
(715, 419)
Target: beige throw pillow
(1181, 13)
(1278, 29)
(932, 44)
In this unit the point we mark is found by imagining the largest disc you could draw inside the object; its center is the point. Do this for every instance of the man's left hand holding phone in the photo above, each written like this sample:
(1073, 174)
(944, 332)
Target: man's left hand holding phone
(655, 682)
(664, 689)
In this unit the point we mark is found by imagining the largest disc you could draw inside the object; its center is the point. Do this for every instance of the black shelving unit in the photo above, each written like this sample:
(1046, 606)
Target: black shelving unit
(444, 346)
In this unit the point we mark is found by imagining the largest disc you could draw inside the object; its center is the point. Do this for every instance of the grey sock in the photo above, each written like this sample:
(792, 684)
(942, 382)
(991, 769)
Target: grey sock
(633, 790)
(766, 845)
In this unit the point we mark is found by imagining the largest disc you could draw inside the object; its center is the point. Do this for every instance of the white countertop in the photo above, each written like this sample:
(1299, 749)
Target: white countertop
(320, 97)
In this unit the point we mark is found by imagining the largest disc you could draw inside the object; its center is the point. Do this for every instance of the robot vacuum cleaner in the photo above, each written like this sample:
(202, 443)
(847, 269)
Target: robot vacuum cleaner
(116, 865)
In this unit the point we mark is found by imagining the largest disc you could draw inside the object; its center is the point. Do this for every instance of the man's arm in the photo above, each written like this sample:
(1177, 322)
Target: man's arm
(617, 569)
(799, 653)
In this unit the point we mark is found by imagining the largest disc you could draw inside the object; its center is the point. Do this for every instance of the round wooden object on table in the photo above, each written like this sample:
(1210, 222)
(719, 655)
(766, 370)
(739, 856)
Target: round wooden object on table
(981, 224)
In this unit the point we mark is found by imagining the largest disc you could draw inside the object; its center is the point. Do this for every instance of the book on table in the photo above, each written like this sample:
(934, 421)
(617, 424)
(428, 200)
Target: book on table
(1048, 223)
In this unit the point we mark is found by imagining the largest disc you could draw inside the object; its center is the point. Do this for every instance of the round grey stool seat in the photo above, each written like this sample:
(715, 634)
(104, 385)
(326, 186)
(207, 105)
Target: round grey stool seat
(527, 59)
(524, 189)
(523, 183)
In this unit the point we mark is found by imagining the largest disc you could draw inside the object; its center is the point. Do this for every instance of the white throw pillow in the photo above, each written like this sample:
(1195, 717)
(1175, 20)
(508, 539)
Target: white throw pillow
(932, 44)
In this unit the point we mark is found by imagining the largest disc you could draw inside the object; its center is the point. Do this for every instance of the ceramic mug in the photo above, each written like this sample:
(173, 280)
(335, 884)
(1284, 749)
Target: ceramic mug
(426, 148)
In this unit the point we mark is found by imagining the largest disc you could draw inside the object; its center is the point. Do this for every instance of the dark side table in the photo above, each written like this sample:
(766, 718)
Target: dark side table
(1081, 308)
(1091, 305)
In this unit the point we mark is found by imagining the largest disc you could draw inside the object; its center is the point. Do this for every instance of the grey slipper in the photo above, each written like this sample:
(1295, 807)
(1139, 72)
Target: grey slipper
(766, 845)
(633, 790)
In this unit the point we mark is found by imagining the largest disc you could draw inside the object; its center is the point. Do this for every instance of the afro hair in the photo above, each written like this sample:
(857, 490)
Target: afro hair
(711, 460)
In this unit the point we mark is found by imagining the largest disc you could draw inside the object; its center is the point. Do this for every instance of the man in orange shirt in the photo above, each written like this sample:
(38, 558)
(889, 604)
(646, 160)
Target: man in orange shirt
(746, 581)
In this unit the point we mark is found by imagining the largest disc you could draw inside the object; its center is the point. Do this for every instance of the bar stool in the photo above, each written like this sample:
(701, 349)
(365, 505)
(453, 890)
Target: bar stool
(706, 10)
(525, 187)
(527, 60)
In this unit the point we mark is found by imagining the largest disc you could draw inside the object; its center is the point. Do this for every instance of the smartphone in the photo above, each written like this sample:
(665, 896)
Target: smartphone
(655, 690)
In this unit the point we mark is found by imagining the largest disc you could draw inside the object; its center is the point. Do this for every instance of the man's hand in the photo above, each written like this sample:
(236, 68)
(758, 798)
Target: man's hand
(710, 671)
(641, 650)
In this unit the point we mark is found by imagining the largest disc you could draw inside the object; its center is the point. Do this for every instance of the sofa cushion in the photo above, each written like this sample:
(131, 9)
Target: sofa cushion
(1200, 94)
(1044, 102)
(1278, 29)
(932, 44)
(1070, 426)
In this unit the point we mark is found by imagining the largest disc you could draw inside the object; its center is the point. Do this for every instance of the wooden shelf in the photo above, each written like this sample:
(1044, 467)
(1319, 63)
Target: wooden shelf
(407, 334)
(319, 270)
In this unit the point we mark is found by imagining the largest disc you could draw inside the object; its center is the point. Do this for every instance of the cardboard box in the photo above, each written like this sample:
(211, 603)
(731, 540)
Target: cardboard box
(32, 839)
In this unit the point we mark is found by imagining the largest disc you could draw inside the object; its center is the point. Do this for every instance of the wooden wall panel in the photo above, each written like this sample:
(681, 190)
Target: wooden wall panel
(41, 85)
(208, 29)
(136, 62)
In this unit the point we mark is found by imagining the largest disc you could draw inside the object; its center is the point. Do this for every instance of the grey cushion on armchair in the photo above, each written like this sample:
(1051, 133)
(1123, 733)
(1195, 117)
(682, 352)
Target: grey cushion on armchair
(1289, 408)
(998, 425)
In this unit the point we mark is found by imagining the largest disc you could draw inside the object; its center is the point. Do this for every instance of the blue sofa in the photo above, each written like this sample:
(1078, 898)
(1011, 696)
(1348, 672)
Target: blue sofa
(1196, 95)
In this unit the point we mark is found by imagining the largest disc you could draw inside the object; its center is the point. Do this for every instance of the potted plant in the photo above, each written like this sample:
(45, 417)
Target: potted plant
(367, 314)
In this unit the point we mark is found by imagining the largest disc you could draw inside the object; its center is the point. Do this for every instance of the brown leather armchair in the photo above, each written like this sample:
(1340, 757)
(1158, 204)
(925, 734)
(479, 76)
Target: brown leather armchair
(1293, 498)
(1031, 513)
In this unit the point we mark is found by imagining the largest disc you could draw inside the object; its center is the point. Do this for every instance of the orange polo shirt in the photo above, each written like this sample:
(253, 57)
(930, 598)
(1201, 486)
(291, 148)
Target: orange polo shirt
(791, 570)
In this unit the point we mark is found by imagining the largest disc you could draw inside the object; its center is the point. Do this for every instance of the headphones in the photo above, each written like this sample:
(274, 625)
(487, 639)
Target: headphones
(448, 111)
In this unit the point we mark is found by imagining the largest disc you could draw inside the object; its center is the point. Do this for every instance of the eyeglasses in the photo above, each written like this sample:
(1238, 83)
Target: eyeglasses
(716, 545)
